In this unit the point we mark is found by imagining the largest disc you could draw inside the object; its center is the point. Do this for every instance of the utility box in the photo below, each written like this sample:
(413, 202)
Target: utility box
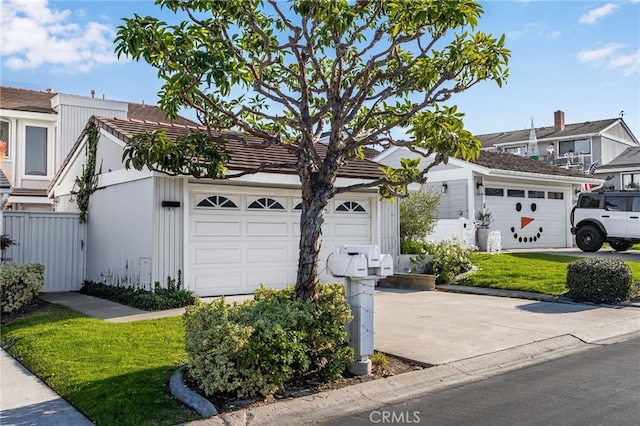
(360, 266)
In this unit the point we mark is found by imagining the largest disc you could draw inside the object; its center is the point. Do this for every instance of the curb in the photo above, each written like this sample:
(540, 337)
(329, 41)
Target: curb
(185, 395)
(371, 395)
(516, 294)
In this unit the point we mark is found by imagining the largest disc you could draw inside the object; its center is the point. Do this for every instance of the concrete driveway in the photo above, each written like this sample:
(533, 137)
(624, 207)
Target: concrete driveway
(627, 256)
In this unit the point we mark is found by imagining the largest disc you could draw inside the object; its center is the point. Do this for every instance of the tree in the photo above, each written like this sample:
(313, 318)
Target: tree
(288, 72)
(418, 215)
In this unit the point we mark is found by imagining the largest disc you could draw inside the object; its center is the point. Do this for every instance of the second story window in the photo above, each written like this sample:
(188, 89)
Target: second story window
(581, 146)
(35, 162)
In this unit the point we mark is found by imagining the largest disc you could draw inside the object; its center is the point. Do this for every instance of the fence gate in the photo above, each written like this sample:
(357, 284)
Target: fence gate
(54, 239)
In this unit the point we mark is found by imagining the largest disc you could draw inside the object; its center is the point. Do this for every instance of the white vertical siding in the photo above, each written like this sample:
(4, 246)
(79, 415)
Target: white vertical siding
(390, 229)
(168, 240)
(57, 240)
(120, 233)
(73, 119)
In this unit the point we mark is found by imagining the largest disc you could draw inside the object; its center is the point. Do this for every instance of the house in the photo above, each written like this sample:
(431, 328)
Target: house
(40, 127)
(623, 172)
(530, 201)
(574, 146)
(220, 237)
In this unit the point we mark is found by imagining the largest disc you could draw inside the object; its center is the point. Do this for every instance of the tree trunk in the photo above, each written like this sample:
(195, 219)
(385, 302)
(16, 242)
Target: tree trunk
(311, 220)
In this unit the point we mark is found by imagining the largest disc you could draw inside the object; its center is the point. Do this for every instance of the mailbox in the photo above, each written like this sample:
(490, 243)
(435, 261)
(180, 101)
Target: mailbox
(345, 265)
(372, 253)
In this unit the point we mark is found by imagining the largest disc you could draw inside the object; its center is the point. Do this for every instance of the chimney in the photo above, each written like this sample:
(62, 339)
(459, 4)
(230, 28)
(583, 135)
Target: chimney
(558, 120)
(93, 93)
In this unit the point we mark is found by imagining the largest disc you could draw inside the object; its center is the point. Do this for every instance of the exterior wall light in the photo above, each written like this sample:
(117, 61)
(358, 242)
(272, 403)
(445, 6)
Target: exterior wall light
(480, 187)
(444, 187)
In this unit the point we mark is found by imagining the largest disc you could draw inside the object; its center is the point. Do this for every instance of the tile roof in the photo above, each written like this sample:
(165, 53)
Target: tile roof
(628, 157)
(577, 129)
(516, 163)
(28, 192)
(35, 101)
(146, 112)
(244, 158)
(26, 100)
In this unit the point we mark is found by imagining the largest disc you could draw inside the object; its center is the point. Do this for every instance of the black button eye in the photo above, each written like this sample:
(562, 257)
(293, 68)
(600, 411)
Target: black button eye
(518, 207)
(533, 207)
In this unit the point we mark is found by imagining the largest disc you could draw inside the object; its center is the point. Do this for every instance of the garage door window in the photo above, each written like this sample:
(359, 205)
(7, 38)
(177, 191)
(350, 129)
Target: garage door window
(552, 195)
(536, 194)
(217, 201)
(519, 193)
(350, 206)
(494, 192)
(266, 204)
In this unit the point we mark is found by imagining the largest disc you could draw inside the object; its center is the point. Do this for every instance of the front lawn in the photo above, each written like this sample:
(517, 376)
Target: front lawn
(536, 272)
(116, 374)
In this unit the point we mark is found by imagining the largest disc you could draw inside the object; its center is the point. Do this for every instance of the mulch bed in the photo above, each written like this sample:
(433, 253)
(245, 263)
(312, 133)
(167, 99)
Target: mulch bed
(226, 403)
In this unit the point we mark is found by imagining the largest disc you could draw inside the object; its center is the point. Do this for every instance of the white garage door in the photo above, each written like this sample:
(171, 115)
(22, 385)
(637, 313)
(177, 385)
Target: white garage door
(238, 241)
(528, 218)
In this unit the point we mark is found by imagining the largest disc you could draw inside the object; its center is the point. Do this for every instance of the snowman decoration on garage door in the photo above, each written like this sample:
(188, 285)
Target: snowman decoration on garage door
(528, 232)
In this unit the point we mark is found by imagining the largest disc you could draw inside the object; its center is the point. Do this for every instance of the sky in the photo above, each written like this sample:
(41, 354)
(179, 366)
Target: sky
(581, 57)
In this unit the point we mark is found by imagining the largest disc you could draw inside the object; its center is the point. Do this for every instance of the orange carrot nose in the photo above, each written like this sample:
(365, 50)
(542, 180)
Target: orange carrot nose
(524, 221)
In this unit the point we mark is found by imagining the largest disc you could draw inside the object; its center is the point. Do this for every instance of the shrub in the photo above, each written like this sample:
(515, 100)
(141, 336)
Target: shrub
(599, 280)
(19, 285)
(418, 216)
(174, 296)
(254, 347)
(445, 259)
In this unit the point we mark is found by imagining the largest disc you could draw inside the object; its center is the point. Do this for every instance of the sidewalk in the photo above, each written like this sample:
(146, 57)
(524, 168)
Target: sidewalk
(466, 337)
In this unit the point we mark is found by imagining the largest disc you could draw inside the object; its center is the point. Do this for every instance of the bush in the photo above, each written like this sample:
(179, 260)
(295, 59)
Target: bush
(418, 216)
(19, 285)
(599, 280)
(157, 300)
(445, 259)
(254, 347)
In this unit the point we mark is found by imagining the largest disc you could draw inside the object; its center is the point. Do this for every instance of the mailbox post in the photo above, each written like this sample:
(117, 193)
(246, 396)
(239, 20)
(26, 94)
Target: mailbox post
(360, 266)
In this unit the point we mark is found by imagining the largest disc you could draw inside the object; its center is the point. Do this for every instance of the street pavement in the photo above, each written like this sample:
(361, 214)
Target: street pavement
(464, 337)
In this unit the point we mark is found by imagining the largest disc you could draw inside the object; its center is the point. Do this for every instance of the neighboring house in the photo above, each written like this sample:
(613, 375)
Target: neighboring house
(530, 201)
(5, 190)
(623, 172)
(572, 146)
(40, 128)
(220, 236)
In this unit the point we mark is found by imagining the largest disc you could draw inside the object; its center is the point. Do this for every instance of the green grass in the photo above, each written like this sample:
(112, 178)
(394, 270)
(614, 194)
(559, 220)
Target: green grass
(535, 272)
(116, 374)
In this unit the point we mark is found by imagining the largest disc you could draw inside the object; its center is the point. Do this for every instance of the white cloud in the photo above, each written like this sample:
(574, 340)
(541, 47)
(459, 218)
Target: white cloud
(630, 64)
(593, 15)
(34, 35)
(554, 35)
(609, 57)
(598, 54)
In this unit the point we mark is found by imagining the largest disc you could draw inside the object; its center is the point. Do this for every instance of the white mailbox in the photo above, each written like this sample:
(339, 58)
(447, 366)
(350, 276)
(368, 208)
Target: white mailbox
(345, 265)
(372, 253)
(360, 266)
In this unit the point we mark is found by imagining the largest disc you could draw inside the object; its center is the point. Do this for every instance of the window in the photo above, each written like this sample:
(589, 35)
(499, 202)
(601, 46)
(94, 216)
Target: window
(589, 201)
(350, 206)
(494, 192)
(616, 203)
(218, 201)
(4, 137)
(553, 195)
(629, 180)
(581, 146)
(519, 193)
(298, 206)
(536, 194)
(266, 204)
(35, 161)
(635, 204)
(517, 150)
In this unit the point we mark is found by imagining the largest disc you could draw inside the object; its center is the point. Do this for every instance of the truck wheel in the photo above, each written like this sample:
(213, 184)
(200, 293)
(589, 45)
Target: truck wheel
(620, 245)
(589, 238)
